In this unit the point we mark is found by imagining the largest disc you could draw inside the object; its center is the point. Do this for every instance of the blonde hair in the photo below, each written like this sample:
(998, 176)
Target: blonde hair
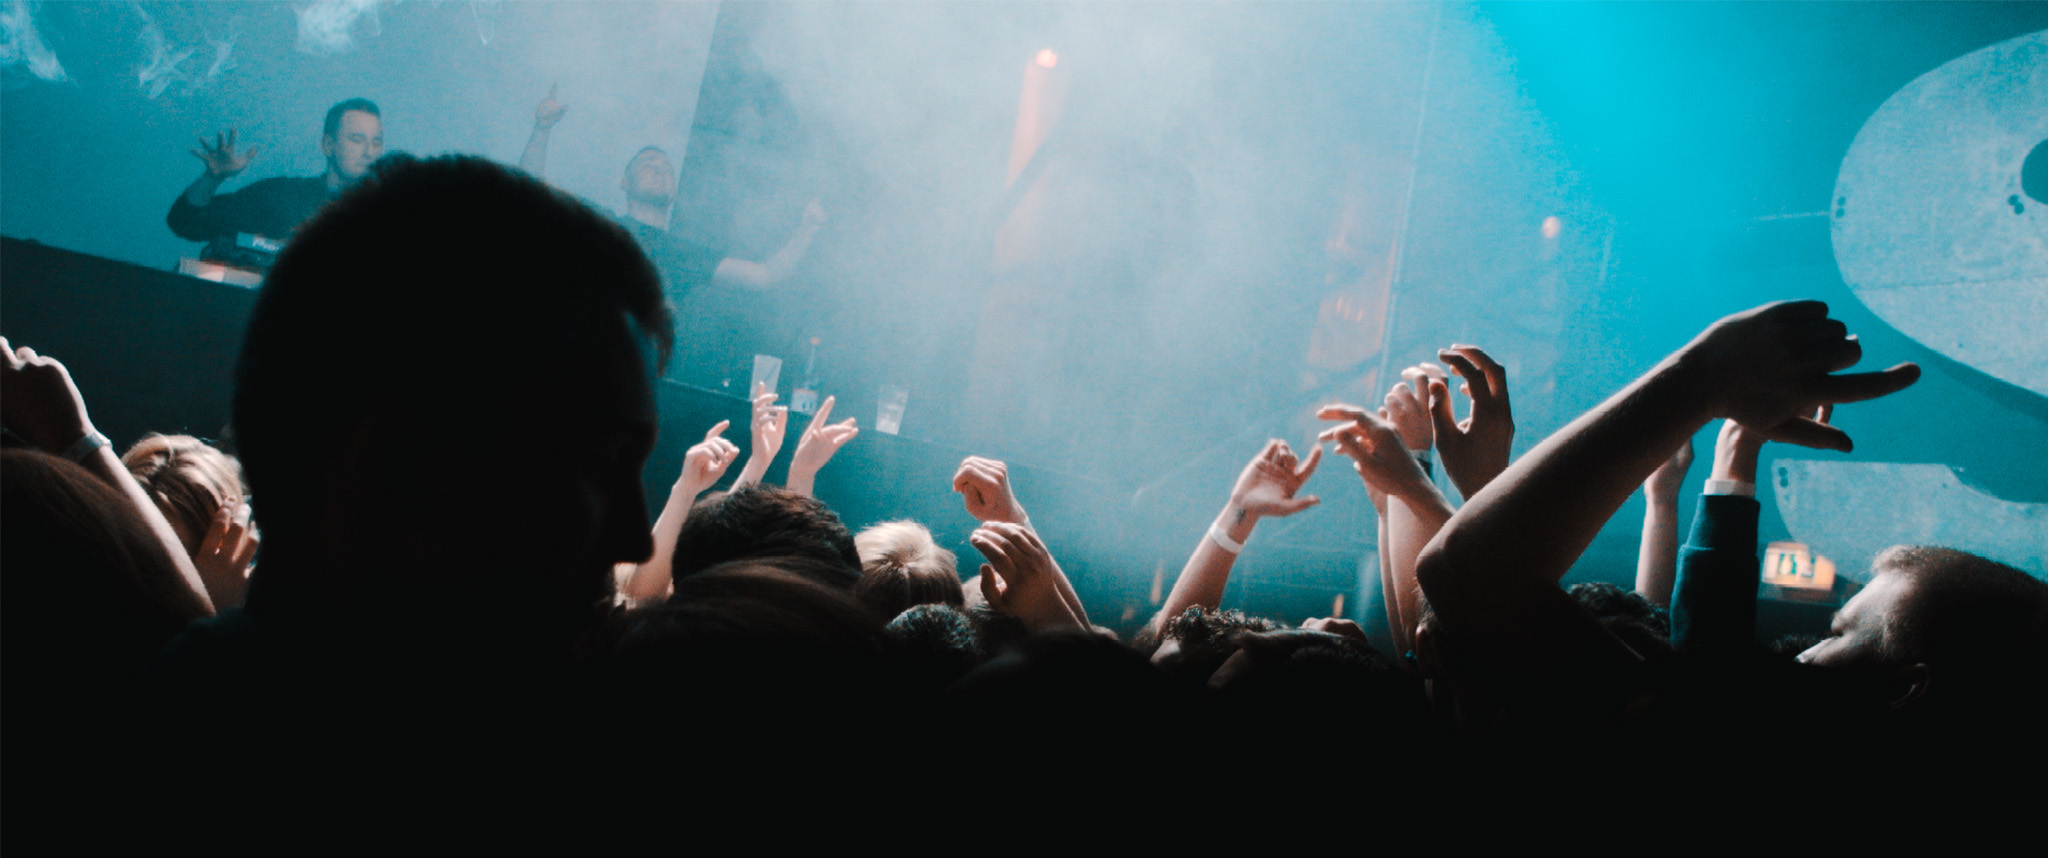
(901, 568)
(189, 480)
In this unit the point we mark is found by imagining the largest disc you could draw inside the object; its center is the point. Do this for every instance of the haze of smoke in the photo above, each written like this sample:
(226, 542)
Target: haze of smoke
(485, 14)
(161, 62)
(223, 60)
(327, 27)
(21, 45)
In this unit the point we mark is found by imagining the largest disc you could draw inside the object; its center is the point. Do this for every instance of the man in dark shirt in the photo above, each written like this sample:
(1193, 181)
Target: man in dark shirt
(272, 209)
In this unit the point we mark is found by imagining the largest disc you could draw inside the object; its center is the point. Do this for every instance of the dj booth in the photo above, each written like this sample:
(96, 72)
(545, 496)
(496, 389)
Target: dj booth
(154, 351)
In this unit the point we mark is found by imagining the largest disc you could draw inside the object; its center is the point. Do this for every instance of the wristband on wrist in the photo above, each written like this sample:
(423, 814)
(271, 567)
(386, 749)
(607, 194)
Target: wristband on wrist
(1730, 487)
(86, 446)
(1224, 541)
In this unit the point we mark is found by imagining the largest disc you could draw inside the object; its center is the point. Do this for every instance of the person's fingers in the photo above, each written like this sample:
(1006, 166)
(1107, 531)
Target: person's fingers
(1823, 330)
(991, 585)
(1440, 410)
(1825, 411)
(997, 548)
(824, 414)
(1353, 445)
(1462, 365)
(1291, 506)
(249, 157)
(1805, 432)
(1837, 354)
(717, 430)
(1859, 386)
(1284, 459)
(1308, 466)
(1495, 374)
(1339, 411)
(217, 530)
(552, 88)
(1800, 309)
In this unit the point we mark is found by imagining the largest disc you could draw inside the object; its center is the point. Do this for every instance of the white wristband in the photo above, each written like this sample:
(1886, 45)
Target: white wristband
(86, 446)
(1224, 541)
(1737, 488)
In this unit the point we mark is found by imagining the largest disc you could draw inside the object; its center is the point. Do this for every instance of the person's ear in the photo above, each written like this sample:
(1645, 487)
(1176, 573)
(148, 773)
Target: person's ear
(327, 145)
(1910, 684)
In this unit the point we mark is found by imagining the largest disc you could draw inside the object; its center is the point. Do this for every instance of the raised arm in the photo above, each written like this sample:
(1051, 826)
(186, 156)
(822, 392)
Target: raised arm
(546, 115)
(1491, 575)
(1713, 606)
(819, 442)
(1266, 488)
(1657, 556)
(1415, 508)
(703, 464)
(733, 271)
(984, 484)
(769, 423)
(1474, 450)
(1021, 578)
(189, 218)
(40, 403)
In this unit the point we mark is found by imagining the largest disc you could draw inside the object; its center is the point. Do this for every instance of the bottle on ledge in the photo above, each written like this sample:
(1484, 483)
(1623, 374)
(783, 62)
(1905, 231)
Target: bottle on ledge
(804, 399)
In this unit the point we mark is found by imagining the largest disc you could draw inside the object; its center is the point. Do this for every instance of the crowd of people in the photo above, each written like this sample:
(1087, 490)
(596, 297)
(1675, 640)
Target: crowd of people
(447, 551)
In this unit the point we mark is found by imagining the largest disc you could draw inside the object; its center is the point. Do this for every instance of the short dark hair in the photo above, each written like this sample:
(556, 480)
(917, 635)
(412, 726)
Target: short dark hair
(1966, 609)
(333, 125)
(765, 521)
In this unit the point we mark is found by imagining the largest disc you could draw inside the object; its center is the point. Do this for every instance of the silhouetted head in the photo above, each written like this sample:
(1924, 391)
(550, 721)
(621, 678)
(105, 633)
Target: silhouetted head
(766, 521)
(90, 593)
(445, 398)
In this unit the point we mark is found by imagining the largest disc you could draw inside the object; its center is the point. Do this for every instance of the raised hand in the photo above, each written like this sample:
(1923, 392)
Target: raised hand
(220, 158)
(985, 485)
(1020, 578)
(1771, 367)
(549, 111)
(819, 442)
(225, 554)
(1474, 450)
(1377, 451)
(1267, 486)
(769, 423)
(1407, 406)
(39, 401)
(707, 460)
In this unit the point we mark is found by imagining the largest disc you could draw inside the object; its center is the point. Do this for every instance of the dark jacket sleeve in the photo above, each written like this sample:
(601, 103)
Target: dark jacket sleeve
(197, 223)
(1713, 603)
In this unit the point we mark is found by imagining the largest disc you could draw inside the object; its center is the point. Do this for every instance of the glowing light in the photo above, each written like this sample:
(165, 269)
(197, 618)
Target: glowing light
(1552, 226)
(1794, 565)
(1048, 59)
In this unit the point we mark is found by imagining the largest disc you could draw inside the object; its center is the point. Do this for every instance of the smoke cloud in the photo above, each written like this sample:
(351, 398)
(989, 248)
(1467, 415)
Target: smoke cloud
(329, 27)
(21, 46)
